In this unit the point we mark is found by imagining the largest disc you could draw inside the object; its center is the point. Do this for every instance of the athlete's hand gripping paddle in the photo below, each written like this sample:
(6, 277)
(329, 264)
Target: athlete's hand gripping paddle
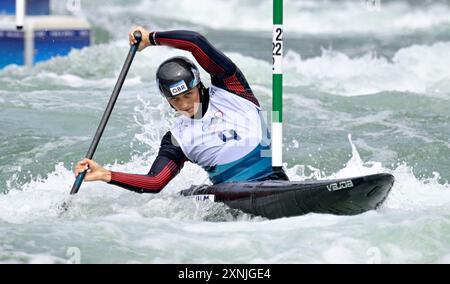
(109, 108)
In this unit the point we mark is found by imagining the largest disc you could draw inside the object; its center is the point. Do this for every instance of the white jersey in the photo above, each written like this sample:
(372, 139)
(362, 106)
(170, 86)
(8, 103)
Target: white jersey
(231, 137)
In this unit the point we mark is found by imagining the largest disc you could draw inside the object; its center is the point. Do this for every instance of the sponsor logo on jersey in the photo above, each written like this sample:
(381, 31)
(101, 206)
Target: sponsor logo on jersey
(228, 135)
(215, 123)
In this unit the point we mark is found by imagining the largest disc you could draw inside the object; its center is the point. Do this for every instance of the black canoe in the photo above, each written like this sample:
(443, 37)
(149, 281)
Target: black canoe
(277, 199)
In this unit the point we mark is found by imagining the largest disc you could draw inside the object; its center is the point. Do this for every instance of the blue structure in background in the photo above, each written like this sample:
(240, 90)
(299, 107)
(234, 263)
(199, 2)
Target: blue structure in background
(8, 7)
(62, 43)
(33, 7)
(44, 36)
(12, 46)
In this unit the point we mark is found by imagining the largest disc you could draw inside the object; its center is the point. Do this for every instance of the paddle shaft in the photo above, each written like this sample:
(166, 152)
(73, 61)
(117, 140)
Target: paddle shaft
(108, 110)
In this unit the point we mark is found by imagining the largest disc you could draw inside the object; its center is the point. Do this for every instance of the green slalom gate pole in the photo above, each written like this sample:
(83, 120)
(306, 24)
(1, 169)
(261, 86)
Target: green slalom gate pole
(277, 85)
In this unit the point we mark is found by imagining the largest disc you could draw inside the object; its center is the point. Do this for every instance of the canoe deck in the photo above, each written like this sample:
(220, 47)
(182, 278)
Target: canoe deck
(277, 199)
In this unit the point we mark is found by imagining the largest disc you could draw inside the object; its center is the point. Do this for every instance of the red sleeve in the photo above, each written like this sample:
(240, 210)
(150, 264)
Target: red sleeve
(224, 73)
(154, 182)
(212, 60)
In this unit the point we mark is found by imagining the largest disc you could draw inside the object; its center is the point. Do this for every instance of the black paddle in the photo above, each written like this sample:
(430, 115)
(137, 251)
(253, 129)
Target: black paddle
(109, 108)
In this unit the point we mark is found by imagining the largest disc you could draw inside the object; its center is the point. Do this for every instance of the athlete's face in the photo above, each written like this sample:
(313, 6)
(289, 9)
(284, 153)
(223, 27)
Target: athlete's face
(187, 103)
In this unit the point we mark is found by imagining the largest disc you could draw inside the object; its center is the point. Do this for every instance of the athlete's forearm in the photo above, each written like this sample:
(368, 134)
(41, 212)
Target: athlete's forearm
(162, 172)
(211, 59)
